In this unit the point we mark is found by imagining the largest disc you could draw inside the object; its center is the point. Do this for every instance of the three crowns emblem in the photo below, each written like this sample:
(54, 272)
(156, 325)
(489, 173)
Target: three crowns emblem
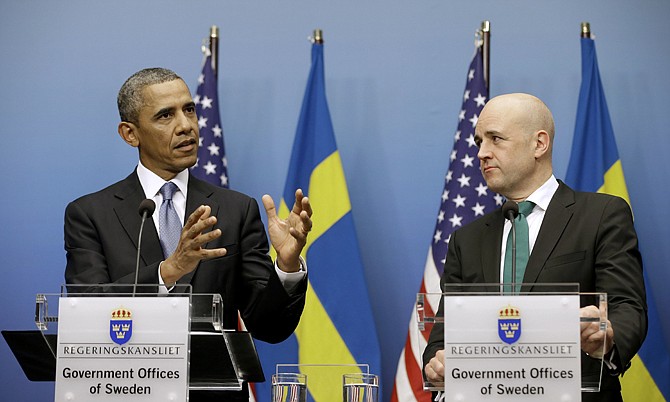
(121, 325)
(509, 324)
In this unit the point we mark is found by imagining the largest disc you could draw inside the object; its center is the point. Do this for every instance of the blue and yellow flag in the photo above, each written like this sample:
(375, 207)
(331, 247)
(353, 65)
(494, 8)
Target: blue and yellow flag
(337, 326)
(595, 166)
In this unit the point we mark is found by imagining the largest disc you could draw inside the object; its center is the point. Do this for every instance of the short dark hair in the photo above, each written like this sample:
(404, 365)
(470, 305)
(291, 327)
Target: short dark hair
(130, 98)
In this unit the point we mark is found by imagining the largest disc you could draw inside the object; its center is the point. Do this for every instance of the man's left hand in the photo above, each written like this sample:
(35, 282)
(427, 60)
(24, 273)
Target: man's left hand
(592, 337)
(289, 236)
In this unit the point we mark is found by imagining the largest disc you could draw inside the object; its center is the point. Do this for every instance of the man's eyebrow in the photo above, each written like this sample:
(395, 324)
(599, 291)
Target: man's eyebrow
(489, 133)
(190, 104)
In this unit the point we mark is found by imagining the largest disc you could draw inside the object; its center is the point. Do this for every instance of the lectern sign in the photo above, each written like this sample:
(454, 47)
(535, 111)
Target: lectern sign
(502, 348)
(122, 348)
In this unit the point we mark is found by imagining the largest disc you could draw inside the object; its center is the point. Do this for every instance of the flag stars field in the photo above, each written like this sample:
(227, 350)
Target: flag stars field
(211, 165)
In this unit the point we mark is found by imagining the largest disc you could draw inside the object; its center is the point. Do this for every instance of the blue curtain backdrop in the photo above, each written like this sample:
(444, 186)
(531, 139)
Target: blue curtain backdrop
(395, 78)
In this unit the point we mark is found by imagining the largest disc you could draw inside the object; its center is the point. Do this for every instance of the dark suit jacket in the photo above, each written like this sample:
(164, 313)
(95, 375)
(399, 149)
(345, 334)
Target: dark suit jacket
(585, 238)
(101, 232)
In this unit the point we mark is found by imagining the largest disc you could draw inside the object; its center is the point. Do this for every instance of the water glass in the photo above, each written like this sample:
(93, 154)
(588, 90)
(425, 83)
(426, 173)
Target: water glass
(360, 387)
(289, 387)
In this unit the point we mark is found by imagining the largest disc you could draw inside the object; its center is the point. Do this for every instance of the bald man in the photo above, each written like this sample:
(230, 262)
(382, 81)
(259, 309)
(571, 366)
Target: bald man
(574, 237)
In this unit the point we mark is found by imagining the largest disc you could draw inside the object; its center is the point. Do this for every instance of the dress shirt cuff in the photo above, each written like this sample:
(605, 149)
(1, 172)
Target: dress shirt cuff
(162, 289)
(610, 361)
(291, 280)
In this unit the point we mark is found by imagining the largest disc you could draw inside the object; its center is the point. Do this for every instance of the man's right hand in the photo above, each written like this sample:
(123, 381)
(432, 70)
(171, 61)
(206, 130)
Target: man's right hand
(189, 251)
(435, 368)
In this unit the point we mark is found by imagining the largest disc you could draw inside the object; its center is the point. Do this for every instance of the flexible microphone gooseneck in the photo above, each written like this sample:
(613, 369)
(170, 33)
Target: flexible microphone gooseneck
(511, 210)
(146, 209)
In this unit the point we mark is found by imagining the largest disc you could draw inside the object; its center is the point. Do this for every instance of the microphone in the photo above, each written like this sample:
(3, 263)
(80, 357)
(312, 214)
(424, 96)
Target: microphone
(146, 209)
(511, 210)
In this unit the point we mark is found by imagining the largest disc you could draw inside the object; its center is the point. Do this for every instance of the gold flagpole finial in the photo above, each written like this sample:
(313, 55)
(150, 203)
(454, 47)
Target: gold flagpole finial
(586, 30)
(214, 31)
(317, 36)
(486, 26)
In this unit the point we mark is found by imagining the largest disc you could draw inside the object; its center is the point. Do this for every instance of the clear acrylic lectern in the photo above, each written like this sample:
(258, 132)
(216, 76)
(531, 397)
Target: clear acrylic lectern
(503, 344)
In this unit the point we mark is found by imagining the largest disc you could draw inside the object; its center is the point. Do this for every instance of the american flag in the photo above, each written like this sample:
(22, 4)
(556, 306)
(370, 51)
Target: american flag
(465, 198)
(212, 165)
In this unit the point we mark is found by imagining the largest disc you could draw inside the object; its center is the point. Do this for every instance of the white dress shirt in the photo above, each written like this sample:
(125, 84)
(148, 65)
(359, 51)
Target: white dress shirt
(541, 197)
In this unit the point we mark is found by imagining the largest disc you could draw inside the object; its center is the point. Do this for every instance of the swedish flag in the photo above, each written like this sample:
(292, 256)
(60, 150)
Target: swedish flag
(337, 326)
(595, 166)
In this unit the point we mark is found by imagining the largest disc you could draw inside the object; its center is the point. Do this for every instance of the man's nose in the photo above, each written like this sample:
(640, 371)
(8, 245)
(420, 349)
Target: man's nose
(185, 124)
(483, 152)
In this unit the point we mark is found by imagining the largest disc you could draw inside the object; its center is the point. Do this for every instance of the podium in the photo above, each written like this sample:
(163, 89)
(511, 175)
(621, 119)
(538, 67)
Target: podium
(505, 345)
(133, 343)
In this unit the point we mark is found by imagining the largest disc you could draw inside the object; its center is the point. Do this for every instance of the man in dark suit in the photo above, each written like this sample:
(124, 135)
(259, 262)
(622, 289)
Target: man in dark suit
(574, 237)
(222, 247)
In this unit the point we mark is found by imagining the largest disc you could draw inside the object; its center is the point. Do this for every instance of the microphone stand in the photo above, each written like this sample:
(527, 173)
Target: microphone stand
(510, 211)
(139, 247)
(147, 208)
(513, 234)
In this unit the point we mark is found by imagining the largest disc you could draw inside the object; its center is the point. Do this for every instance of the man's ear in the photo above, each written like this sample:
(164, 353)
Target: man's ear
(128, 131)
(542, 143)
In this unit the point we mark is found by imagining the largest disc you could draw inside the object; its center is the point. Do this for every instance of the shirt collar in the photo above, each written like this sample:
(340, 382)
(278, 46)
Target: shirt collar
(151, 183)
(542, 196)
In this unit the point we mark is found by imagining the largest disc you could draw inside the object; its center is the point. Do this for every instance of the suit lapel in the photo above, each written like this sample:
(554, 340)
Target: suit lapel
(199, 194)
(128, 201)
(490, 251)
(555, 221)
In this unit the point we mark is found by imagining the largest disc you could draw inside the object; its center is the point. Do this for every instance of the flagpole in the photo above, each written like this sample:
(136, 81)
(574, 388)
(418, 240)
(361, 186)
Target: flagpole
(214, 48)
(317, 36)
(486, 38)
(586, 30)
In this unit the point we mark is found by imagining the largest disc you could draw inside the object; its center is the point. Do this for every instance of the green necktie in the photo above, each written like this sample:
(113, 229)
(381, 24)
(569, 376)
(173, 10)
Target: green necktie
(522, 247)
